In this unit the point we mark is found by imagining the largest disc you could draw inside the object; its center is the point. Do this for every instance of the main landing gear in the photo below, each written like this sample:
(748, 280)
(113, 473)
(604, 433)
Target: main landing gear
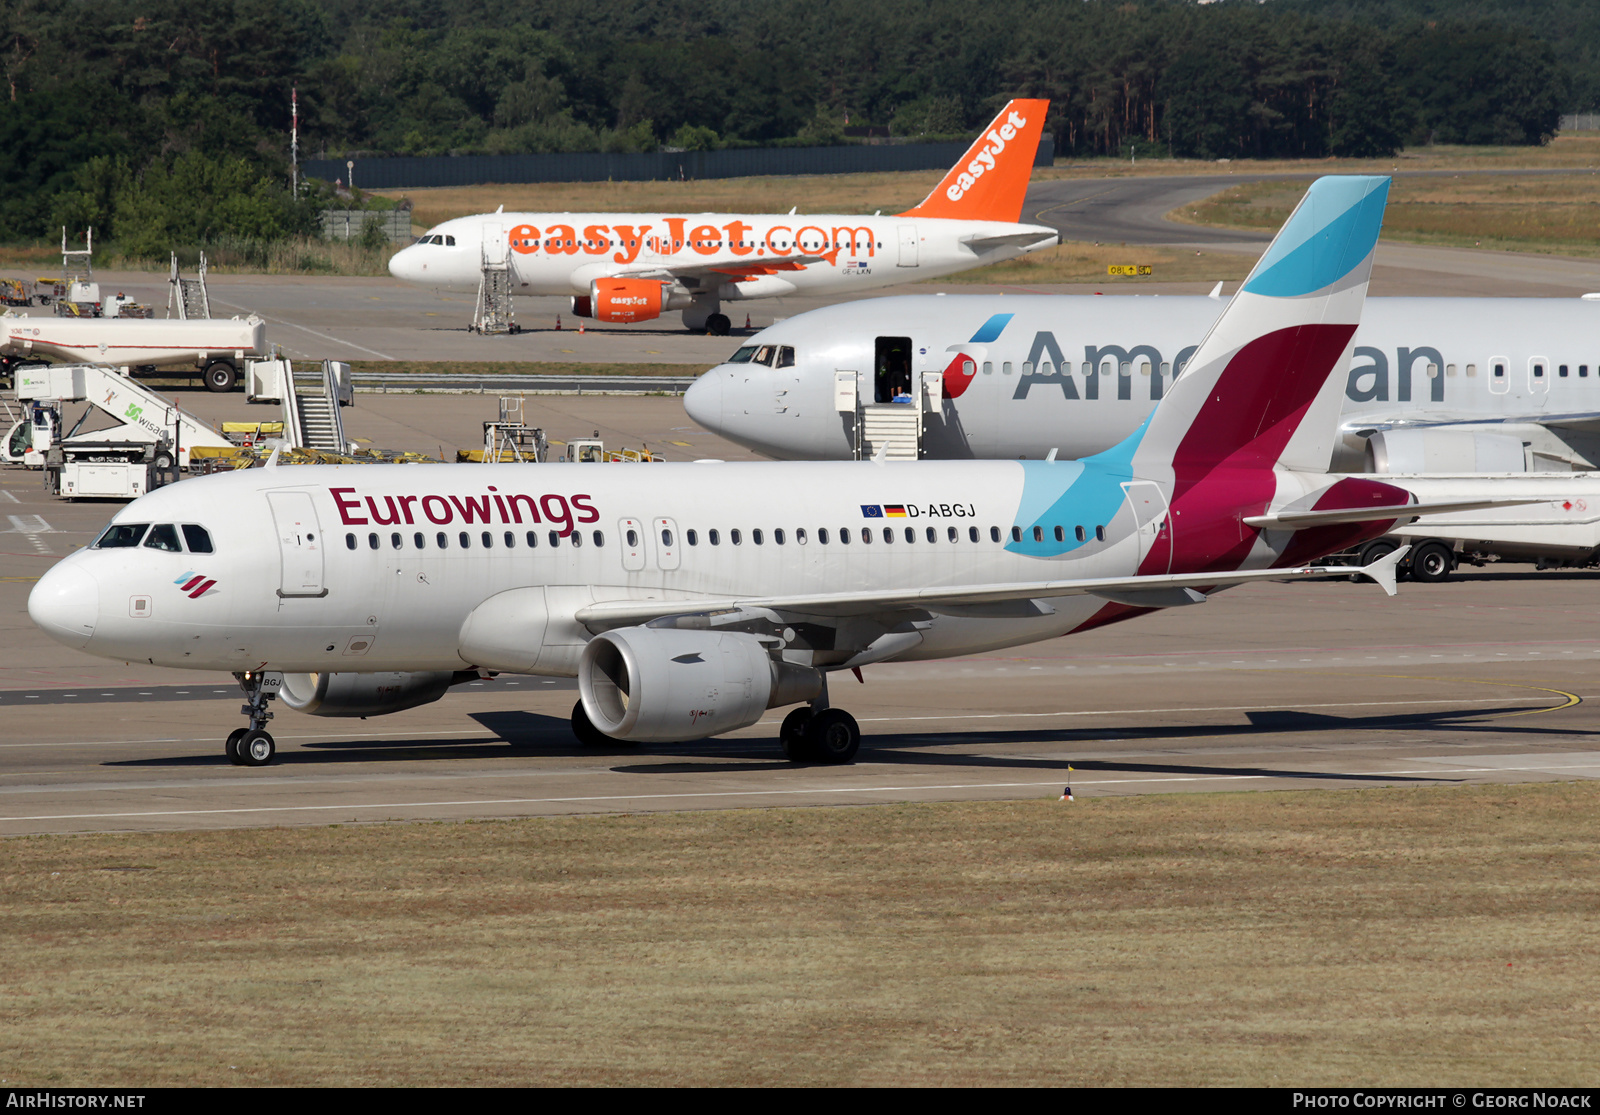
(252, 746)
(815, 733)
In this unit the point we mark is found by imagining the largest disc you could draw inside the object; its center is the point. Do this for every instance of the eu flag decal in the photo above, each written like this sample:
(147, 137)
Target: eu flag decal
(871, 511)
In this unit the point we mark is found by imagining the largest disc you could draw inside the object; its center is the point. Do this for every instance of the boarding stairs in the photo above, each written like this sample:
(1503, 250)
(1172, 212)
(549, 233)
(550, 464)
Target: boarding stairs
(493, 312)
(510, 438)
(188, 296)
(311, 418)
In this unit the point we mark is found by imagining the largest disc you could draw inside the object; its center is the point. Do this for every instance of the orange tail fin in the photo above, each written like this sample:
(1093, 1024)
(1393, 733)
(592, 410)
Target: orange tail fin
(989, 182)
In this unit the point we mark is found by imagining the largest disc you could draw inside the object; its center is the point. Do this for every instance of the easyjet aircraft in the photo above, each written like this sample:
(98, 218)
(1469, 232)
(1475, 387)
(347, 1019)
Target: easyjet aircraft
(688, 599)
(626, 267)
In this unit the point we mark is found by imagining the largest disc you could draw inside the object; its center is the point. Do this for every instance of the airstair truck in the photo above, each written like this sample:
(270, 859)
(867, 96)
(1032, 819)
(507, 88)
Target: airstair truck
(149, 444)
(219, 347)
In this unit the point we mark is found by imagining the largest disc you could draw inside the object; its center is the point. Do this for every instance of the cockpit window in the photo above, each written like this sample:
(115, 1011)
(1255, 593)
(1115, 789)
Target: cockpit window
(785, 357)
(764, 355)
(118, 535)
(743, 355)
(197, 538)
(449, 241)
(164, 536)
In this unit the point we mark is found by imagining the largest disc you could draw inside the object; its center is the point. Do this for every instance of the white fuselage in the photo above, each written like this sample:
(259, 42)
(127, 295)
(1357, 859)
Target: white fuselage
(708, 255)
(1078, 374)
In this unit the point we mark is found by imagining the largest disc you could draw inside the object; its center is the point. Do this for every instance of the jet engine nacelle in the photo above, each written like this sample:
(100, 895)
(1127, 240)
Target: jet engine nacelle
(330, 694)
(1404, 452)
(625, 300)
(662, 685)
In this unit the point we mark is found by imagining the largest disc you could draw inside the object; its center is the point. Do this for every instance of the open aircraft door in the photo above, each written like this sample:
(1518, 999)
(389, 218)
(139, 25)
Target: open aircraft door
(1154, 525)
(299, 544)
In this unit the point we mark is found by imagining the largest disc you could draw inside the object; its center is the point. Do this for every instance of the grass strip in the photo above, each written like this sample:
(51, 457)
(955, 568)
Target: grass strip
(1375, 937)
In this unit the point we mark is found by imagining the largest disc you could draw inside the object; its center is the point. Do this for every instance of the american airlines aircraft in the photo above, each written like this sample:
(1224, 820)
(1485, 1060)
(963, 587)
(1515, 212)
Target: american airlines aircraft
(627, 267)
(688, 599)
(1024, 375)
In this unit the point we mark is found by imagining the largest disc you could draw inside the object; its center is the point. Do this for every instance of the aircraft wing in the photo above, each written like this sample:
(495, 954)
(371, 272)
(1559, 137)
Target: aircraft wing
(1153, 591)
(725, 269)
(1587, 420)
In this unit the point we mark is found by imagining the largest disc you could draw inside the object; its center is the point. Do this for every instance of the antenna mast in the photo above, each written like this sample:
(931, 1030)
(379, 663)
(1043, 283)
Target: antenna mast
(294, 142)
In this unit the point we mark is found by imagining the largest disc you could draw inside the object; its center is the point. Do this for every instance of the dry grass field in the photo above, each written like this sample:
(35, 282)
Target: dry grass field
(1558, 215)
(1086, 263)
(1376, 937)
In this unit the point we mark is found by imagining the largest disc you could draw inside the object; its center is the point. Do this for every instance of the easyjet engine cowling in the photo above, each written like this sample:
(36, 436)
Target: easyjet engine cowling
(664, 685)
(623, 300)
(341, 694)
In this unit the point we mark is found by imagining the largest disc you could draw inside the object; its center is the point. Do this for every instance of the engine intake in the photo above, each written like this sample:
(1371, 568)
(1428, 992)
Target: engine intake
(329, 694)
(663, 685)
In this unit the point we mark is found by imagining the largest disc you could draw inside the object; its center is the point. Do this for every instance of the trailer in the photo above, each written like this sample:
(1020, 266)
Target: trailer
(218, 347)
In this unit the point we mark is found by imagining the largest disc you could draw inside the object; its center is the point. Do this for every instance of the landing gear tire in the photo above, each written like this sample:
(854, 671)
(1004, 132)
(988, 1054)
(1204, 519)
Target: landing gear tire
(1432, 563)
(232, 746)
(256, 748)
(1370, 553)
(220, 376)
(792, 735)
(833, 736)
(588, 735)
(718, 325)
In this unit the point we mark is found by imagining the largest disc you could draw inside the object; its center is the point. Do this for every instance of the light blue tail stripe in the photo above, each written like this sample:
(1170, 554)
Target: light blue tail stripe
(1332, 231)
(991, 329)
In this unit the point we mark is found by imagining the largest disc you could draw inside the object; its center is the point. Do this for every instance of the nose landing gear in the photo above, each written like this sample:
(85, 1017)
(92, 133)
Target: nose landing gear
(253, 746)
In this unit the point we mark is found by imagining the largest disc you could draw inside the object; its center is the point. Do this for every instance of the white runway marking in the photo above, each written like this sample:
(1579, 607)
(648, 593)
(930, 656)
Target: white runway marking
(313, 332)
(30, 527)
(8, 497)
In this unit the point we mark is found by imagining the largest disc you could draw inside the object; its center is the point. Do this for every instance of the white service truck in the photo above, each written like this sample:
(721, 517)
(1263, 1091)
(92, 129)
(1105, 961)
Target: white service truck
(218, 347)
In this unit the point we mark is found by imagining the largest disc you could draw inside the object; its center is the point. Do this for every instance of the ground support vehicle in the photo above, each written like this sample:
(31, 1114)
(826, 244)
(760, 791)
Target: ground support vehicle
(1560, 529)
(218, 347)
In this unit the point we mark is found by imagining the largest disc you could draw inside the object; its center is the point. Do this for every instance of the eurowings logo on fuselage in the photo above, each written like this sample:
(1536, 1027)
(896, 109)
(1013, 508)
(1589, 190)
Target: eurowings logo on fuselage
(194, 585)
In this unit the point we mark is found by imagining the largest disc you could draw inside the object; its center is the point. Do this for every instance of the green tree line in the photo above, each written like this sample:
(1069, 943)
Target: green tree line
(169, 118)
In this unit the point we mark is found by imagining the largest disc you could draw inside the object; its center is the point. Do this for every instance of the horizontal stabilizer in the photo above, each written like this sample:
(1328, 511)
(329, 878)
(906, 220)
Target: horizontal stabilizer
(982, 244)
(1305, 520)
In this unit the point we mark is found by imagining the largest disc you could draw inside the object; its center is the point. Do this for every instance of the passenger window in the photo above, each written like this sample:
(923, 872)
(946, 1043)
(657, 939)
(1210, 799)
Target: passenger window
(1016, 534)
(372, 541)
(120, 535)
(442, 540)
(800, 535)
(555, 540)
(1061, 534)
(164, 536)
(844, 536)
(598, 538)
(888, 535)
(666, 537)
(972, 533)
(575, 539)
(822, 536)
(955, 535)
(692, 537)
(1562, 371)
(488, 540)
(197, 538)
(1079, 533)
(1100, 534)
(933, 535)
(533, 540)
(396, 541)
(911, 534)
(1583, 371)
(465, 539)
(633, 538)
(735, 537)
(1038, 534)
(511, 540)
(756, 537)
(419, 541)
(714, 536)
(350, 541)
(866, 535)
(777, 536)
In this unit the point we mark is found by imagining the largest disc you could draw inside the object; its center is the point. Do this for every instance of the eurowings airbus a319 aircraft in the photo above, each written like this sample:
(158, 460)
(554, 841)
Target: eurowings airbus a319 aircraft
(1434, 385)
(688, 599)
(628, 267)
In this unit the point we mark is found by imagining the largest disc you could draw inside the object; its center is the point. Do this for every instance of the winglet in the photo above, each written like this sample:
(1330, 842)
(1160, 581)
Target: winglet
(1382, 571)
(989, 181)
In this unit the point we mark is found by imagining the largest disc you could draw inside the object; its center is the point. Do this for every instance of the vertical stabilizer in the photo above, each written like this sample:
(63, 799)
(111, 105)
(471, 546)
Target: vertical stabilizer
(990, 180)
(1260, 392)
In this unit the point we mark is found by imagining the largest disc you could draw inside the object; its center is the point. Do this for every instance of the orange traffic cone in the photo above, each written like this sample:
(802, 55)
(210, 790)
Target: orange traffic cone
(580, 328)
(558, 323)
(747, 321)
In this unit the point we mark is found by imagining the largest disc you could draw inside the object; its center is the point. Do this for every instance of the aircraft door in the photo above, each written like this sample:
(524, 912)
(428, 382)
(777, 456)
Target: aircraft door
(1152, 524)
(299, 544)
(908, 245)
(891, 368)
(496, 244)
(667, 542)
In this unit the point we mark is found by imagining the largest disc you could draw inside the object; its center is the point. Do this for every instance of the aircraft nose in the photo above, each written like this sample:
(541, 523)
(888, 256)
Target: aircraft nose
(703, 400)
(66, 604)
(405, 265)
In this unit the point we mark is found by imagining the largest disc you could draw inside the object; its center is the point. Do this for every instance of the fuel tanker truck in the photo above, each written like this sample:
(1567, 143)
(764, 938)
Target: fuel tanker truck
(215, 347)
